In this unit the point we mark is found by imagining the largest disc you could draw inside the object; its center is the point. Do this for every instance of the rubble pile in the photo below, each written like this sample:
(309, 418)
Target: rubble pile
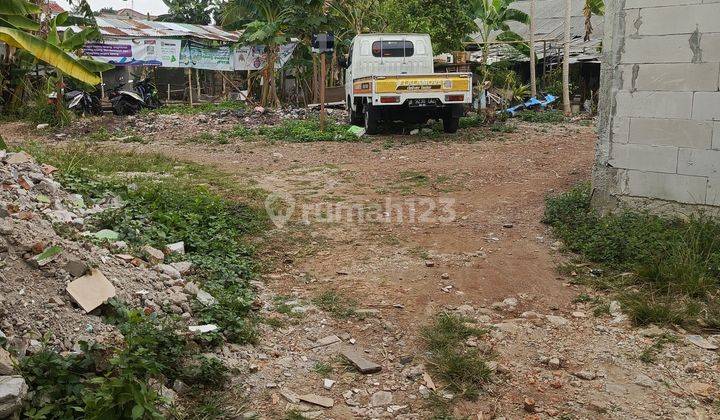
(51, 285)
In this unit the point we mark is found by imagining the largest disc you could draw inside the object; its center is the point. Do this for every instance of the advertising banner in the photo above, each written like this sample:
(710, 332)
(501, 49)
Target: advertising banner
(136, 52)
(253, 57)
(199, 56)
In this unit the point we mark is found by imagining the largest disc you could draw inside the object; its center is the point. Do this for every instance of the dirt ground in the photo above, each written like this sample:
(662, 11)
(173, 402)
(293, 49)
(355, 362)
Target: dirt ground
(482, 252)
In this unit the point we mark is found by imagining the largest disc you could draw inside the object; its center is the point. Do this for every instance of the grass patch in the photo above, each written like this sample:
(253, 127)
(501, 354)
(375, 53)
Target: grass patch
(665, 271)
(322, 369)
(553, 117)
(462, 368)
(185, 109)
(302, 131)
(503, 127)
(336, 303)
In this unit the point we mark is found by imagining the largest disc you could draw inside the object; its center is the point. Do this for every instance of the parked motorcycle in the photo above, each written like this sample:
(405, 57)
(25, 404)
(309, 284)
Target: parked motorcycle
(128, 102)
(79, 101)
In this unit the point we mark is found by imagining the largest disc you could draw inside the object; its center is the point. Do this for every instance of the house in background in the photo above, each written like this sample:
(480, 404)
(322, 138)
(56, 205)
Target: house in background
(127, 13)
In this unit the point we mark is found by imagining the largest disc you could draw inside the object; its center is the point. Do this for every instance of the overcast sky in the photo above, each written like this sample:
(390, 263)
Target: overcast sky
(154, 7)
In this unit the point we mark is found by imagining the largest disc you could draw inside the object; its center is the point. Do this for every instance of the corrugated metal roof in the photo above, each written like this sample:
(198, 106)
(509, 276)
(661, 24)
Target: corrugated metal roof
(135, 28)
(550, 27)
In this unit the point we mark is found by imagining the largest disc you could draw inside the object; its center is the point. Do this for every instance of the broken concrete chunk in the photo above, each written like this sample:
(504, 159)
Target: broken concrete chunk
(176, 248)
(17, 158)
(290, 395)
(47, 256)
(168, 270)
(326, 341)
(205, 298)
(362, 364)
(328, 383)
(183, 267)
(6, 362)
(701, 342)
(153, 255)
(203, 328)
(91, 291)
(381, 398)
(76, 268)
(13, 390)
(317, 400)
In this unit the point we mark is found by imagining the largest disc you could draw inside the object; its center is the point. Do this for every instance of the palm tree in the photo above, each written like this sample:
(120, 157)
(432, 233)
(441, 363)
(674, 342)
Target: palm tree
(265, 23)
(16, 26)
(493, 16)
(592, 7)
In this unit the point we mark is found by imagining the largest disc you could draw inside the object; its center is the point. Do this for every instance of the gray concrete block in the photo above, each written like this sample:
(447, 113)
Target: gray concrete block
(713, 192)
(699, 162)
(654, 104)
(644, 158)
(710, 45)
(677, 77)
(664, 132)
(634, 4)
(673, 187)
(716, 136)
(620, 129)
(683, 19)
(659, 49)
(706, 106)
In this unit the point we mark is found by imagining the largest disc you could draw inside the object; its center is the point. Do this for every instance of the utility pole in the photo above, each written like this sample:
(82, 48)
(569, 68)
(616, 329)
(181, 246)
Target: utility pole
(566, 59)
(533, 77)
(322, 91)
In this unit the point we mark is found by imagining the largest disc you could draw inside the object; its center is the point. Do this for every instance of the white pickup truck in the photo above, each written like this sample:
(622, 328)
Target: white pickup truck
(390, 77)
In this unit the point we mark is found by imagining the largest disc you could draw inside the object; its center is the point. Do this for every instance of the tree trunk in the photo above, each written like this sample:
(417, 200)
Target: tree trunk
(566, 59)
(533, 77)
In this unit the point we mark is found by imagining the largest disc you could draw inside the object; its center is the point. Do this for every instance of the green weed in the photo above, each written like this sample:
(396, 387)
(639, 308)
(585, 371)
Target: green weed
(553, 117)
(301, 131)
(674, 265)
(322, 369)
(336, 303)
(461, 368)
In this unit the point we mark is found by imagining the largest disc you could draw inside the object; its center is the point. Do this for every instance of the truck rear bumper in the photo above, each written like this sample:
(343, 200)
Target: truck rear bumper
(418, 115)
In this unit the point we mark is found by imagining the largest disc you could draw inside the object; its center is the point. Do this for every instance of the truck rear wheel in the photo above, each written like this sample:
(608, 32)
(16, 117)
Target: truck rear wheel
(451, 124)
(371, 120)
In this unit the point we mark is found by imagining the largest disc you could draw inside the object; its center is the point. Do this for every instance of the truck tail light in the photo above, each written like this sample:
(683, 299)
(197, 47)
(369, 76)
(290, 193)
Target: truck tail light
(454, 98)
(389, 99)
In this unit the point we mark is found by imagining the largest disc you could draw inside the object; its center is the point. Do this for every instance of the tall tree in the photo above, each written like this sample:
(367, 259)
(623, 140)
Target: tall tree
(566, 58)
(493, 17)
(197, 12)
(449, 22)
(533, 78)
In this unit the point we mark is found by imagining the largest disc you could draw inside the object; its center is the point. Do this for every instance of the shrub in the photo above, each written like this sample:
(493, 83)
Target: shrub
(302, 131)
(542, 116)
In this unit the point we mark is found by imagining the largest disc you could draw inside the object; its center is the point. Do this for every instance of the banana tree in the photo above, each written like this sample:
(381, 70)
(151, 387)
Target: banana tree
(265, 23)
(492, 16)
(15, 31)
(592, 7)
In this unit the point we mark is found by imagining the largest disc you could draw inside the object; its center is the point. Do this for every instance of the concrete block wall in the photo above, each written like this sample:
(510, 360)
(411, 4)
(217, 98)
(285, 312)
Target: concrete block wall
(659, 129)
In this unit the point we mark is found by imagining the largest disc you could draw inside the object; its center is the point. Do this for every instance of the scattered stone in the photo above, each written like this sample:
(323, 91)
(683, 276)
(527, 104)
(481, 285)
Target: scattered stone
(507, 225)
(428, 381)
(644, 381)
(557, 321)
(445, 276)
(529, 404)
(362, 364)
(176, 248)
(290, 395)
(18, 158)
(554, 363)
(76, 268)
(326, 341)
(184, 267)
(511, 302)
(381, 399)
(7, 366)
(328, 383)
(12, 392)
(317, 400)
(168, 270)
(42, 126)
(579, 314)
(701, 342)
(700, 389)
(91, 291)
(429, 263)
(585, 375)
(153, 255)
(615, 308)
(203, 328)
